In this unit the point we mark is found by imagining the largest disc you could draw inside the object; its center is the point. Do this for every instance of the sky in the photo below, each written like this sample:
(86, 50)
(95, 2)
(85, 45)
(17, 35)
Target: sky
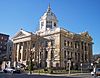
(74, 15)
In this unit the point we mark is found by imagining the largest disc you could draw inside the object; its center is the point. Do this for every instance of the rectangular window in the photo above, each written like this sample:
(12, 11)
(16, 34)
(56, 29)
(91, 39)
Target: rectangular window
(68, 54)
(71, 44)
(52, 54)
(75, 45)
(75, 56)
(46, 44)
(0, 46)
(78, 57)
(33, 45)
(4, 47)
(10, 48)
(2, 37)
(85, 57)
(64, 42)
(55, 24)
(49, 24)
(46, 54)
(42, 24)
(1, 42)
(52, 43)
(71, 54)
(85, 47)
(82, 45)
(65, 54)
(5, 39)
(67, 43)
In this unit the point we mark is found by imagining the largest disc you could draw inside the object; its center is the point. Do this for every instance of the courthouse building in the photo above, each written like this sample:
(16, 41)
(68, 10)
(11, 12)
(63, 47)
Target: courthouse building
(51, 46)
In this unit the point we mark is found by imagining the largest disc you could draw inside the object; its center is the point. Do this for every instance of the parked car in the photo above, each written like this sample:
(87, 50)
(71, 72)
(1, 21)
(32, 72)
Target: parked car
(97, 72)
(92, 73)
(11, 70)
(20, 65)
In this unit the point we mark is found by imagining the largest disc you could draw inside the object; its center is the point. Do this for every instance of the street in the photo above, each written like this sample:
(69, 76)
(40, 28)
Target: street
(9, 75)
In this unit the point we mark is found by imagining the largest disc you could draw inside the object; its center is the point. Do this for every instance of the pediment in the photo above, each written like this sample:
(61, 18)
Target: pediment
(85, 34)
(21, 34)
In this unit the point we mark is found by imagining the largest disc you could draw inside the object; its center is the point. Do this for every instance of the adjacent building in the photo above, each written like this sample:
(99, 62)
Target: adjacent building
(9, 50)
(51, 46)
(3, 46)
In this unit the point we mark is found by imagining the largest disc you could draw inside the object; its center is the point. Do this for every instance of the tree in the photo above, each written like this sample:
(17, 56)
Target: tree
(30, 66)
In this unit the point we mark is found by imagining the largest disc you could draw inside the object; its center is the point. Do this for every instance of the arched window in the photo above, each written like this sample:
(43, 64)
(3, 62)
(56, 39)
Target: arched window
(42, 24)
(54, 24)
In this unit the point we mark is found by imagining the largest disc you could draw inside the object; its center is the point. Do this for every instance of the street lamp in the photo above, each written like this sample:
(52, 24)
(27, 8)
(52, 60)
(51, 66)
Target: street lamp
(81, 67)
(92, 65)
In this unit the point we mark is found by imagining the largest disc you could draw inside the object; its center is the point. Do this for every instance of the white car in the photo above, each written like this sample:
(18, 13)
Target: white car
(96, 72)
(92, 73)
(11, 70)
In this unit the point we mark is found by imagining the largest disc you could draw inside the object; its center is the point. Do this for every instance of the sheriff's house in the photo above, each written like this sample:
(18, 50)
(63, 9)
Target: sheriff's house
(51, 46)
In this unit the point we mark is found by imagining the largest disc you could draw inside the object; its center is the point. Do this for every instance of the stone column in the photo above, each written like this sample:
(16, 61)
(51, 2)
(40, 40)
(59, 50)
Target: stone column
(21, 51)
(49, 56)
(24, 51)
(43, 53)
(83, 52)
(80, 51)
(18, 50)
(14, 59)
(27, 51)
(87, 52)
(90, 52)
(14, 53)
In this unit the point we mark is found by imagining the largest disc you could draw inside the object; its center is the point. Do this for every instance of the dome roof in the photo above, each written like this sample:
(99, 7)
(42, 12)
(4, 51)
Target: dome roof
(49, 15)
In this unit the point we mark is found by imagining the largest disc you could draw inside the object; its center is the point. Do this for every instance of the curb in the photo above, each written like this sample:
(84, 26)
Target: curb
(76, 74)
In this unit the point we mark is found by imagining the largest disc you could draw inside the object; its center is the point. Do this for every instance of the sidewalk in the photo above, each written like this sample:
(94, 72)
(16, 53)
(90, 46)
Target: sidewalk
(74, 74)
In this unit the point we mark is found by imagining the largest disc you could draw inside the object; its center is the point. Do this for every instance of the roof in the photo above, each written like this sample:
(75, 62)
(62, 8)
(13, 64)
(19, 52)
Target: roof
(4, 34)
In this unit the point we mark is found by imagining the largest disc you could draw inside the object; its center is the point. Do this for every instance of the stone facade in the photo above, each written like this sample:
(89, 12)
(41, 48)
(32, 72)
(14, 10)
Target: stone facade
(51, 46)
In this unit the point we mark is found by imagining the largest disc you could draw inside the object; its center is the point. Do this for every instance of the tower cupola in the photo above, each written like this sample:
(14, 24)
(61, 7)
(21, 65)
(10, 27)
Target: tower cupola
(48, 20)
